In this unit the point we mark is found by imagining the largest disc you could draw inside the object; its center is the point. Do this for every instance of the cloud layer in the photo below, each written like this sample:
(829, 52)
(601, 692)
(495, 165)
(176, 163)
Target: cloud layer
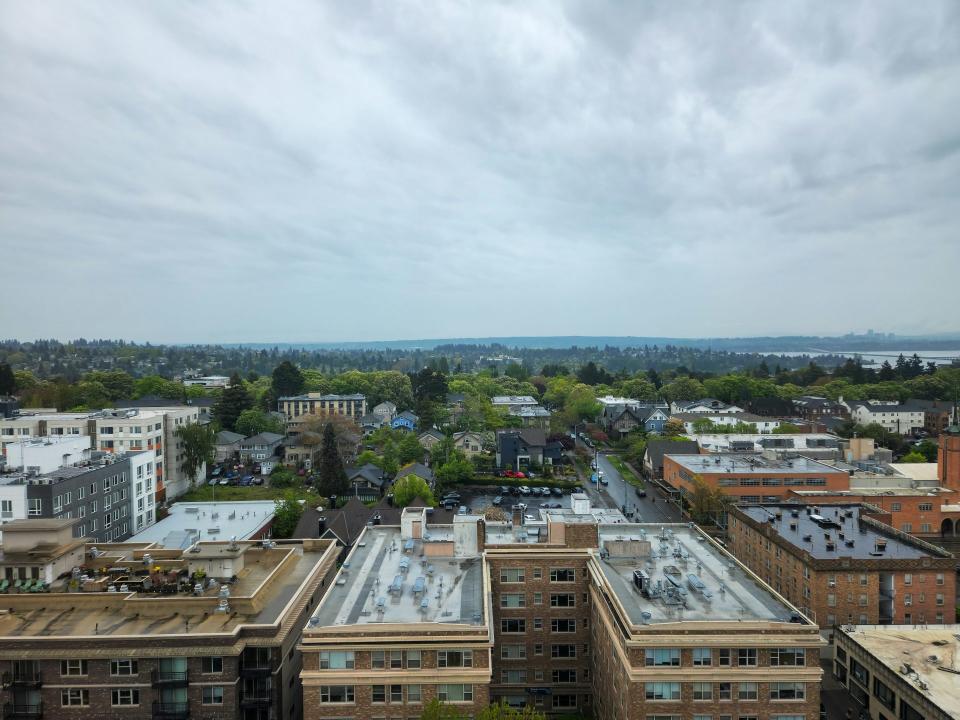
(374, 170)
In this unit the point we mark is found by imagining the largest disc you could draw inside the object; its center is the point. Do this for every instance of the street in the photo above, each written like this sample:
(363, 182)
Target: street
(617, 493)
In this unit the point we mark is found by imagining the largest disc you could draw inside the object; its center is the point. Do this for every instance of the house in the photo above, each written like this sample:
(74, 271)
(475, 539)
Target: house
(367, 481)
(707, 422)
(386, 410)
(456, 405)
(429, 438)
(906, 418)
(514, 401)
(371, 422)
(704, 405)
(618, 420)
(814, 407)
(518, 449)
(656, 449)
(468, 442)
(227, 445)
(531, 416)
(260, 446)
(405, 421)
(418, 469)
(771, 407)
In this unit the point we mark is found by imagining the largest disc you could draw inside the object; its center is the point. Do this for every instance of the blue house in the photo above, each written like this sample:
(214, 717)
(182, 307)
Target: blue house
(404, 421)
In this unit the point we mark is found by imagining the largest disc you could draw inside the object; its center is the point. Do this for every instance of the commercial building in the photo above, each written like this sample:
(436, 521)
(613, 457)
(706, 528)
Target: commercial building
(841, 567)
(137, 631)
(43, 455)
(904, 672)
(188, 523)
(751, 478)
(298, 408)
(562, 613)
(111, 498)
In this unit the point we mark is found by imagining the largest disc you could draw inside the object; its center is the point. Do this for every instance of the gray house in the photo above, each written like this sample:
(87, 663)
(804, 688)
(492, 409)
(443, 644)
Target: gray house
(227, 445)
(260, 446)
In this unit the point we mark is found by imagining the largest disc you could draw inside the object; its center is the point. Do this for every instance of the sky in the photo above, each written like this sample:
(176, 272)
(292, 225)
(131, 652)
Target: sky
(323, 171)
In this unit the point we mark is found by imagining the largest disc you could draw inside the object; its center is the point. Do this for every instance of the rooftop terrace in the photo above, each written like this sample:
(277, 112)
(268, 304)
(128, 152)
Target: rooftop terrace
(669, 573)
(833, 531)
(389, 579)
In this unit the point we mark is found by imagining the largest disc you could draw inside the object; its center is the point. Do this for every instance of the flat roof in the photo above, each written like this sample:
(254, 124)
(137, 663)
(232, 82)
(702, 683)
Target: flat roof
(192, 521)
(817, 522)
(388, 580)
(917, 471)
(877, 491)
(751, 464)
(800, 441)
(896, 645)
(691, 576)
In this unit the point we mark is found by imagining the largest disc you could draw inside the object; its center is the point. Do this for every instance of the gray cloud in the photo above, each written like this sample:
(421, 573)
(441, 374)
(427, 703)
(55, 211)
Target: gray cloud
(304, 171)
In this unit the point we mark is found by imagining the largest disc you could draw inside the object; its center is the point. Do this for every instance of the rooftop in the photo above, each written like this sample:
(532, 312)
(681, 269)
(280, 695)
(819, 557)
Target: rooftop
(514, 400)
(388, 579)
(686, 576)
(837, 531)
(931, 651)
(796, 441)
(189, 522)
(322, 396)
(745, 463)
(917, 471)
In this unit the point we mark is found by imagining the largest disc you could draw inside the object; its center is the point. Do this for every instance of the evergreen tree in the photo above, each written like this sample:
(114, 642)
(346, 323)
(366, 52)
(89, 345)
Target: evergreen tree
(234, 400)
(287, 379)
(332, 477)
(8, 383)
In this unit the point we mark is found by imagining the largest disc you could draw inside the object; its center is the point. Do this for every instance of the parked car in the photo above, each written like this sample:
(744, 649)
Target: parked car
(558, 492)
(530, 475)
(212, 482)
(498, 500)
(604, 481)
(246, 481)
(641, 493)
(224, 481)
(524, 490)
(258, 481)
(217, 471)
(504, 489)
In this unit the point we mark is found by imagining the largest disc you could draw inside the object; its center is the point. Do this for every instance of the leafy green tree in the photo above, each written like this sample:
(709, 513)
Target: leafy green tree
(456, 471)
(704, 425)
(786, 428)
(254, 421)
(410, 450)
(118, 384)
(281, 477)
(502, 711)
(638, 387)
(914, 456)
(928, 449)
(408, 488)
(369, 457)
(286, 514)
(287, 380)
(234, 400)
(332, 477)
(390, 460)
(198, 443)
(159, 386)
(580, 404)
(673, 426)
(436, 710)
(442, 451)
(683, 388)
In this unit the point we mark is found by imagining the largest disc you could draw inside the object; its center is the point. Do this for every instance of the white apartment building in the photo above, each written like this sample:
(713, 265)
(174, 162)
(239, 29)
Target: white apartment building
(143, 493)
(46, 454)
(901, 418)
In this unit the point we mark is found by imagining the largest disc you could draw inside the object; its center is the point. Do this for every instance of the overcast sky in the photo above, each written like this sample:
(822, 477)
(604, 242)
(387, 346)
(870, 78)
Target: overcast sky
(286, 171)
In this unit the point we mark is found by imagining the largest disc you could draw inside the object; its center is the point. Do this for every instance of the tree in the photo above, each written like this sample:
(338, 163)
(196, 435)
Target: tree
(234, 400)
(928, 449)
(346, 430)
(118, 384)
(638, 388)
(705, 501)
(159, 386)
(332, 477)
(198, 443)
(786, 428)
(8, 383)
(287, 380)
(683, 388)
(673, 426)
(409, 488)
(590, 374)
(286, 514)
(253, 422)
(456, 471)
(410, 450)
(914, 456)
(502, 711)
(436, 710)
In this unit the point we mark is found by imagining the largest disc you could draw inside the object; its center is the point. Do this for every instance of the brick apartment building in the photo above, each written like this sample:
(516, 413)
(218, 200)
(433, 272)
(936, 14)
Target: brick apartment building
(133, 631)
(752, 477)
(841, 567)
(565, 614)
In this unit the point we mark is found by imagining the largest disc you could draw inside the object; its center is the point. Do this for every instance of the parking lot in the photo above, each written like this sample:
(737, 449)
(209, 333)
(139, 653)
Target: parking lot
(479, 498)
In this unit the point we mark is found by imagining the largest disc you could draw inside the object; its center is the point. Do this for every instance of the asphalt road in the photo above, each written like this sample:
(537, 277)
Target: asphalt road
(653, 508)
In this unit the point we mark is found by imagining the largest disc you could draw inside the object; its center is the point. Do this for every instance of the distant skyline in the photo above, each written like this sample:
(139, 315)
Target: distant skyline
(331, 172)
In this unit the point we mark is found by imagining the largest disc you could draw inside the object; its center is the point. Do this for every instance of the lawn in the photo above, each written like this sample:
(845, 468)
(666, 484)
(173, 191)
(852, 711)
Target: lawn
(230, 493)
(625, 472)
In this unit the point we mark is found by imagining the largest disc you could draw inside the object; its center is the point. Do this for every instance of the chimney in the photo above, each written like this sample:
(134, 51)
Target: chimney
(321, 525)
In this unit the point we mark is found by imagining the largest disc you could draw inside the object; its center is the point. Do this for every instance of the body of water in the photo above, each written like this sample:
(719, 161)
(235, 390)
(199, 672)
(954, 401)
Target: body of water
(876, 357)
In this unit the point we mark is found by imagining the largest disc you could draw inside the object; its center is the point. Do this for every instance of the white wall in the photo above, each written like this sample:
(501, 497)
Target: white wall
(48, 454)
(17, 496)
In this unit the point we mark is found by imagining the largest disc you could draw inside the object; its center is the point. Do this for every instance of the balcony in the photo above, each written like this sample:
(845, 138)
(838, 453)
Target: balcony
(255, 671)
(160, 678)
(256, 701)
(24, 679)
(13, 711)
(171, 711)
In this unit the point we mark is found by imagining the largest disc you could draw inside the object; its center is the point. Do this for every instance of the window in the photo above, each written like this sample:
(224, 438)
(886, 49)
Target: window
(788, 691)
(563, 575)
(513, 600)
(538, 573)
(513, 625)
(567, 625)
(455, 693)
(414, 694)
(538, 623)
(907, 579)
(724, 691)
(396, 659)
(662, 656)
(925, 507)
(336, 693)
(513, 652)
(34, 507)
(6, 508)
(563, 651)
(538, 598)
(723, 658)
(336, 660)
(125, 696)
(747, 657)
(377, 660)
(939, 578)
(73, 667)
(123, 667)
(513, 676)
(212, 696)
(787, 656)
(74, 697)
(455, 658)
(378, 693)
(939, 598)
(747, 691)
(702, 657)
(564, 676)
(396, 693)
(564, 702)
(511, 575)
(884, 694)
(211, 664)
(563, 600)
(702, 691)
(413, 659)
(538, 649)
(894, 507)
(662, 690)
